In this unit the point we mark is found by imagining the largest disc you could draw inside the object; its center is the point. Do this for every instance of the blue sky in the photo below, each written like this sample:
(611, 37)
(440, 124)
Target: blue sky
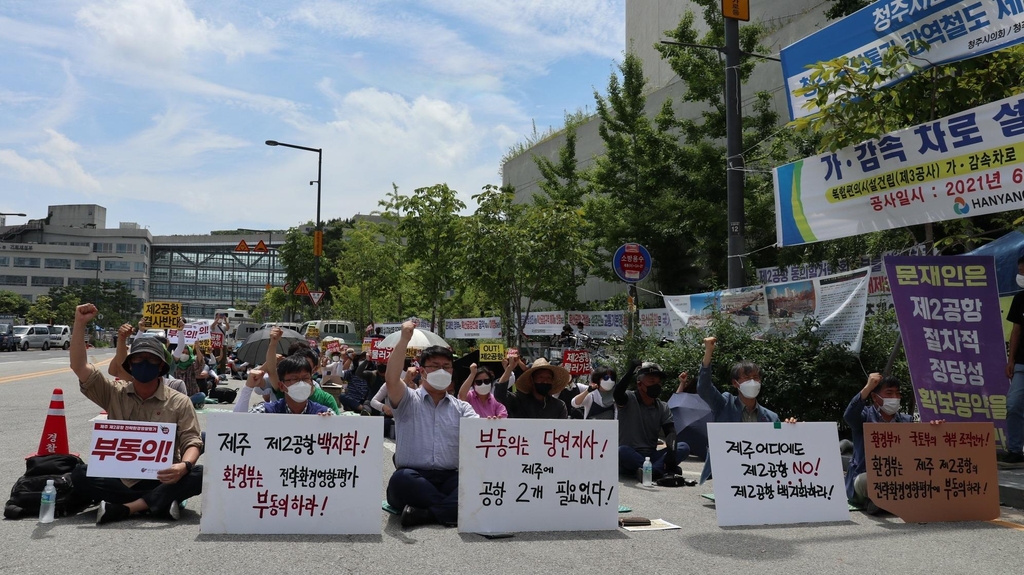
(158, 109)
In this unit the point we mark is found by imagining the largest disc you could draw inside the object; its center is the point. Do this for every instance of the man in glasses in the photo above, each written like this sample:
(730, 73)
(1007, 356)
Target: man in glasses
(425, 485)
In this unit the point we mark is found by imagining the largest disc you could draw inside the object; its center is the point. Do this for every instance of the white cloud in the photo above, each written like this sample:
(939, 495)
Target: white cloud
(58, 169)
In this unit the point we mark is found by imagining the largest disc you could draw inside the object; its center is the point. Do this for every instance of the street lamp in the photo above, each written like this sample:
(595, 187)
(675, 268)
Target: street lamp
(12, 214)
(98, 258)
(318, 238)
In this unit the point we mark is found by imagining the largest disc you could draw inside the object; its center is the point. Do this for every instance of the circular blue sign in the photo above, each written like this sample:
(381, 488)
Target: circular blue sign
(632, 263)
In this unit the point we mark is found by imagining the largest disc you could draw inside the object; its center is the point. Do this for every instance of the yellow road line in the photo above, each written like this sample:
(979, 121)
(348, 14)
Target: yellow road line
(1008, 524)
(13, 378)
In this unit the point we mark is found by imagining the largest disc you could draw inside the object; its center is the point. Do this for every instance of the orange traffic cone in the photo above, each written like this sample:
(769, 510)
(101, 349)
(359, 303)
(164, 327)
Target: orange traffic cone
(55, 430)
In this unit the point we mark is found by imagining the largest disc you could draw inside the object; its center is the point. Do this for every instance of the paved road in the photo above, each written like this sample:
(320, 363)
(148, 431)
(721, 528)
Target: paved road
(75, 545)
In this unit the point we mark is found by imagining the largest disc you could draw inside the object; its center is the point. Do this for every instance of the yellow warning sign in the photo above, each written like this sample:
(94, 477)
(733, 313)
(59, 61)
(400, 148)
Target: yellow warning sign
(242, 246)
(260, 247)
(301, 289)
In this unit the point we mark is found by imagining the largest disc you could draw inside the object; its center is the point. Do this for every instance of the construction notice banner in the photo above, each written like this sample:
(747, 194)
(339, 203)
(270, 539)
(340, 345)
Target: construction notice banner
(837, 302)
(924, 472)
(967, 164)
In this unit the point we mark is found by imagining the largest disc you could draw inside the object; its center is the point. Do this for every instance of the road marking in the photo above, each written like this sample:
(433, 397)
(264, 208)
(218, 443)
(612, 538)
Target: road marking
(1007, 524)
(13, 378)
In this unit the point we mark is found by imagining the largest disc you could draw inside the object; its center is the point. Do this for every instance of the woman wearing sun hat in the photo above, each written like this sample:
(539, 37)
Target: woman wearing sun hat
(533, 397)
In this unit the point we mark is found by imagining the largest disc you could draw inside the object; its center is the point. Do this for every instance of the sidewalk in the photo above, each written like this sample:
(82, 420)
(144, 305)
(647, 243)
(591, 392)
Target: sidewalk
(1011, 487)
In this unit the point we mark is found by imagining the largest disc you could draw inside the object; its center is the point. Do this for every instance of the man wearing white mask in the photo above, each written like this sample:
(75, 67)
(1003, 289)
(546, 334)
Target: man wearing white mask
(726, 407)
(1015, 372)
(884, 407)
(425, 485)
(297, 381)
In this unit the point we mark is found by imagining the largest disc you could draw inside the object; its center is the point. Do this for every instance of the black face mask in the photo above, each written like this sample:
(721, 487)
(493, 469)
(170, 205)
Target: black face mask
(654, 391)
(542, 388)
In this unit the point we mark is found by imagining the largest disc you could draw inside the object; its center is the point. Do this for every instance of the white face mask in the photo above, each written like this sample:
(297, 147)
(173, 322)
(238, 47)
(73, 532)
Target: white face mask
(750, 388)
(607, 384)
(1020, 280)
(890, 405)
(483, 389)
(439, 379)
(300, 391)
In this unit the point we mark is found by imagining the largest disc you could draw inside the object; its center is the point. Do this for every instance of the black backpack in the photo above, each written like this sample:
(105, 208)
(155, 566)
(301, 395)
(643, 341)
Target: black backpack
(28, 489)
(223, 394)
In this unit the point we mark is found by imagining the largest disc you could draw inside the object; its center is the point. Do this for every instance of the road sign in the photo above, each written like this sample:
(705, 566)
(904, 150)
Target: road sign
(301, 289)
(316, 296)
(260, 247)
(632, 263)
(242, 247)
(736, 9)
(318, 243)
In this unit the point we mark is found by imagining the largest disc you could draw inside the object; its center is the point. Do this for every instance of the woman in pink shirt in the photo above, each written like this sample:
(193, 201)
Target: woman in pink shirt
(476, 390)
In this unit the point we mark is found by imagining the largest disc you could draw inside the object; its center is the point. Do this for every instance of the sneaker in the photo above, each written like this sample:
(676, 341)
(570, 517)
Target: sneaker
(1012, 460)
(174, 510)
(111, 512)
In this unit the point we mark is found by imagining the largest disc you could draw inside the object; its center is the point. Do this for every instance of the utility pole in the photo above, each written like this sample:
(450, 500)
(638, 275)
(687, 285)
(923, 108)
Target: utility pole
(734, 152)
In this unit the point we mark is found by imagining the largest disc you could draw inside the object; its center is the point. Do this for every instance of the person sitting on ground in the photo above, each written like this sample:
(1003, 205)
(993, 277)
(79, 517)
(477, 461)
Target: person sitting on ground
(304, 352)
(358, 383)
(142, 398)
(534, 390)
(641, 414)
(883, 408)
(726, 407)
(696, 433)
(597, 401)
(476, 391)
(115, 369)
(186, 368)
(294, 375)
(425, 484)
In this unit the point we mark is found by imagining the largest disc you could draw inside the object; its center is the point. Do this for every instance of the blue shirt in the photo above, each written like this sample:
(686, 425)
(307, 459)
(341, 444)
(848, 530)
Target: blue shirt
(857, 414)
(281, 406)
(427, 435)
(357, 386)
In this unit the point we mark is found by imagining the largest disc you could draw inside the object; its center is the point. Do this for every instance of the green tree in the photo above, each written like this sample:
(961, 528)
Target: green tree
(429, 223)
(41, 311)
(841, 8)
(12, 303)
(272, 305)
(369, 269)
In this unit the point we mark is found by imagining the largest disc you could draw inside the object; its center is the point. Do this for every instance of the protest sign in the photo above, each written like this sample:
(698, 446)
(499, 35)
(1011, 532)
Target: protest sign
(576, 361)
(837, 302)
(953, 31)
(513, 353)
(193, 332)
(161, 314)
(217, 339)
(379, 353)
(922, 472)
(948, 312)
(960, 165)
(537, 475)
(613, 323)
(130, 449)
(492, 352)
(473, 328)
(312, 332)
(334, 346)
(777, 473)
(292, 474)
(544, 323)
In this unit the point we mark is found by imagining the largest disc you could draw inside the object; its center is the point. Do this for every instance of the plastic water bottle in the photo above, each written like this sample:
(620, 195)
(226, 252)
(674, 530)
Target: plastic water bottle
(48, 502)
(648, 472)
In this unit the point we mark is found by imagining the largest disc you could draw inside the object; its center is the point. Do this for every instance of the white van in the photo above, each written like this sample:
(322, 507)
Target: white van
(343, 330)
(60, 336)
(33, 336)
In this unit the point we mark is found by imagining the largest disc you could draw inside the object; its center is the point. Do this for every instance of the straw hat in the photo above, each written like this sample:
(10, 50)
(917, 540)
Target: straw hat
(524, 383)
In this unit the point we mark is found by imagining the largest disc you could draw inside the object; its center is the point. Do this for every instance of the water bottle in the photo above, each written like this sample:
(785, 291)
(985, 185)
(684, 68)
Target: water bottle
(48, 502)
(648, 472)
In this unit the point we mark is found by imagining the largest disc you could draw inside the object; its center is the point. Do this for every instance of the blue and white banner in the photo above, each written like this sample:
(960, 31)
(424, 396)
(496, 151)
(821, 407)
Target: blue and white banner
(970, 163)
(954, 30)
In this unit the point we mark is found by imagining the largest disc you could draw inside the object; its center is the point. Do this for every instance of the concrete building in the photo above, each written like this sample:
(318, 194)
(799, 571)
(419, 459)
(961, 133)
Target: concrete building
(646, 23)
(72, 245)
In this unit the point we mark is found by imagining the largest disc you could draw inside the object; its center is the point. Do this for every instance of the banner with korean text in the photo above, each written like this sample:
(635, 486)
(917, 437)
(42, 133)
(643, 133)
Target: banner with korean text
(544, 323)
(953, 30)
(538, 475)
(837, 302)
(292, 474)
(161, 314)
(473, 328)
(948, 311)
(130, 449)
(656, 321)
(767, 473)
(970, 163)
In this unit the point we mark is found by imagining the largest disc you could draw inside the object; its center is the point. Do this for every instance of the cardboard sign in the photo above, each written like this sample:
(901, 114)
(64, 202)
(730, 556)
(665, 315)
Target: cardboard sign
(193, 333)
(766, 475)
(161, 314)
(537, 475)
(492, 352)
(130, 449)
(292, 474)
(576, 361)
(923, 472)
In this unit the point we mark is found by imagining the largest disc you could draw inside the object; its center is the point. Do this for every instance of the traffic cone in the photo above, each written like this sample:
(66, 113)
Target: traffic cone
(55, 430)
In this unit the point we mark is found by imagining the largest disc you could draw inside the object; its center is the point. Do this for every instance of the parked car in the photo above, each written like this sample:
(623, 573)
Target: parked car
(60, 336)
(8, 341)
(33, 336)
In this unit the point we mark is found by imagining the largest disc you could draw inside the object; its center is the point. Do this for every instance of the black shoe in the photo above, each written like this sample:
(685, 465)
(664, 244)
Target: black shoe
(111, 512)
(1012, 460)
(413, 516)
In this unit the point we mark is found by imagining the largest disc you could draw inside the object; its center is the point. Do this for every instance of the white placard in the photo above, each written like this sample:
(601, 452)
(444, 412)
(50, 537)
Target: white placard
(538, 475)
(193, 332)
(273, 473)
(766, 475)
(130, 449)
